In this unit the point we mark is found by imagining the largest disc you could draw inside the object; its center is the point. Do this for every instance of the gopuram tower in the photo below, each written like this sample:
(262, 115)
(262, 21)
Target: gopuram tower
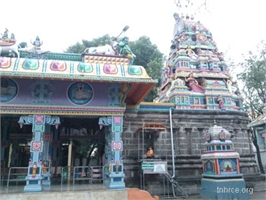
(196, 75)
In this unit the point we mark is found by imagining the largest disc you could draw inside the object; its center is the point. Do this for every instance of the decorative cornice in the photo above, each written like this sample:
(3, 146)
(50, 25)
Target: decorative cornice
(73, 70)
(57, 110)
(56, 56)
(75, 77)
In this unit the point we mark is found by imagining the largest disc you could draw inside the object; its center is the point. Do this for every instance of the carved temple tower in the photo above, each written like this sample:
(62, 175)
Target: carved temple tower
(196, 75)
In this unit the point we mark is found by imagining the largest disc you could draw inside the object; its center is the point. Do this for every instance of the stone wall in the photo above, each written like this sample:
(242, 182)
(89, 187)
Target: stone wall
(189, 136)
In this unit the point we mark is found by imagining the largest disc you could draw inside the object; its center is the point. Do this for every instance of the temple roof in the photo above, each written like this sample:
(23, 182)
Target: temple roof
(95, 68)
(260, 120)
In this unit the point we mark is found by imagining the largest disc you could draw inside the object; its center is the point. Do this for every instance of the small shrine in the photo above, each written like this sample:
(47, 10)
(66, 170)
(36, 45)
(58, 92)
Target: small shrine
(221, 178)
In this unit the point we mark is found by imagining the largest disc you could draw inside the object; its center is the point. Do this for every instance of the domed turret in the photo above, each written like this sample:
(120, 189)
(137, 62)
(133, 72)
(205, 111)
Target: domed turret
(218, 139)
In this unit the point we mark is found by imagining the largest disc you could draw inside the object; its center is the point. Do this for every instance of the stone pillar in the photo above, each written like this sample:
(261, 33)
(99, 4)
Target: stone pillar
(188, 140)
(113, 167)
(200, 137)
(34, 177)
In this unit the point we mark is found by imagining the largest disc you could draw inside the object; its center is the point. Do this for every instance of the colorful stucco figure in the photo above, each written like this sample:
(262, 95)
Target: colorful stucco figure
(5, 36)
(229, 84)
(191, 53)
(37, 43)
(193, 84)
(125, 50)
(220, 102)
(8, 45)
(12, 36)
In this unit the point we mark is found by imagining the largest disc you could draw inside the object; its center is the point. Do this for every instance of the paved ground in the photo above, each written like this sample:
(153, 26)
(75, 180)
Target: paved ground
(258, 194)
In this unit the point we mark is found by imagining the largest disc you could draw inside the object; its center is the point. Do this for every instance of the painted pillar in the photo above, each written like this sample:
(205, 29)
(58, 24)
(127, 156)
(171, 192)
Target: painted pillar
(34, 177)
(113, 164)
(46, 162)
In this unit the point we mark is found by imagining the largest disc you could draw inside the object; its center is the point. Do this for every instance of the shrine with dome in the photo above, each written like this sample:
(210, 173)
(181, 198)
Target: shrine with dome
(221, 176)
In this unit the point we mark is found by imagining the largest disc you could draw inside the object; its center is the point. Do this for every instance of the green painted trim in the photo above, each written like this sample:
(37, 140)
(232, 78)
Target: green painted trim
(57, 56)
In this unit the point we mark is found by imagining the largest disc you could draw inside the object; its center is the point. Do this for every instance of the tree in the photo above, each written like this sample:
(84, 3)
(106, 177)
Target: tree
(147, 55)
(76, 48)
(254, 90)
(255, 142)
(80, 47)
(254, 81)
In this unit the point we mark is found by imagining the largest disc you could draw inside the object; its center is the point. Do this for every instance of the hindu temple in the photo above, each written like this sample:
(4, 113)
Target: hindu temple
(58, 108)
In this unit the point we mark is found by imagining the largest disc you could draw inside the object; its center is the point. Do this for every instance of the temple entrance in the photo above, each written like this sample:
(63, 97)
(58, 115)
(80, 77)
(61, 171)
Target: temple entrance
(76, 142)
(23, 155)
(65, 148)
(84, 152)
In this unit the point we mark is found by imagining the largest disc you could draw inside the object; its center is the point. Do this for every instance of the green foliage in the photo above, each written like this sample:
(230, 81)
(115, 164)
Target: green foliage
(100, 41)
(254, 80)
(80, 47)
(147, 55)
(76, 48)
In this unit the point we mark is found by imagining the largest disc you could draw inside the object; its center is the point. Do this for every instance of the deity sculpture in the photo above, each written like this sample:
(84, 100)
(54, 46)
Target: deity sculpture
(150, 152)
(37, 43)
(220, 102)
(193, 84)
(5, 36)
(125, 50)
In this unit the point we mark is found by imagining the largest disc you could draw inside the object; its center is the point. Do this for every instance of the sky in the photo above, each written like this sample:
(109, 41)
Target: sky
(237, 26)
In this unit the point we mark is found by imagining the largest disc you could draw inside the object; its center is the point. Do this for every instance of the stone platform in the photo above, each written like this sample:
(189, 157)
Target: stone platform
(72, 192)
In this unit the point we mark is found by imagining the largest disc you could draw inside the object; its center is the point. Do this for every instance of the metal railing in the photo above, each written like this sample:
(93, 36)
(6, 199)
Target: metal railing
(66, 174)
(4, 175)
(81, 173)
(92, 173)
(96, 173)
(16, 174)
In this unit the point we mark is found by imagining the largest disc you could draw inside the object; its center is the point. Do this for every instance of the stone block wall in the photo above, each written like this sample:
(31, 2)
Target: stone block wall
(189, 137)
